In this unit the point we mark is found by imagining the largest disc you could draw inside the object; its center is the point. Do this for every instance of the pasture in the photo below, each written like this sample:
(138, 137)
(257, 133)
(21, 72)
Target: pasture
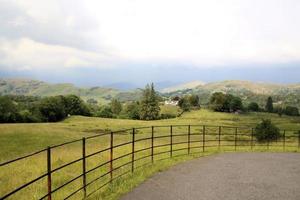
(20, 139)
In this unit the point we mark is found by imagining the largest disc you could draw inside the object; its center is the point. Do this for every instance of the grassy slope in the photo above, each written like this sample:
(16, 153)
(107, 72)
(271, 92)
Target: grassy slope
(19, 139)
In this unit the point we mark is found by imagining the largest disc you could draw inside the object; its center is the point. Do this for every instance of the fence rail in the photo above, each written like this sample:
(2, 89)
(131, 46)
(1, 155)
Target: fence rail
(145, 144)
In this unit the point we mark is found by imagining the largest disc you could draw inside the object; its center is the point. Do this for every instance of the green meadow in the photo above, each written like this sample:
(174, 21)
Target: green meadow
(20, 139)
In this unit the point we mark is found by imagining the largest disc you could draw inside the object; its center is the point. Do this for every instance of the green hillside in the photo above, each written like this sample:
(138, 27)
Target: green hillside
(39, 88)
(282, 94)
(248, 91)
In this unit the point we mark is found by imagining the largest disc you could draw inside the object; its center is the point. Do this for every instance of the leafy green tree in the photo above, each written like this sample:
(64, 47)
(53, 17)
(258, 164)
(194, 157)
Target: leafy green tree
(105, 112)
(53, 108)
(217, 101)
(29, 116)
(184, 104)
(8, 110)
(266, 131)
(291, 111)
(116, 106)
(235, 104)
(269, 105)
(132, 110)
(253, 106)
(194, 100)
(149, 106)
(225, 102)
(74, 105)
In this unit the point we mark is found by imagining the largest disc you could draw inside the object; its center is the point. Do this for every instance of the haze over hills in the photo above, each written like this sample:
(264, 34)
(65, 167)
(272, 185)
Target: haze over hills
(286, 94)
(189, 85)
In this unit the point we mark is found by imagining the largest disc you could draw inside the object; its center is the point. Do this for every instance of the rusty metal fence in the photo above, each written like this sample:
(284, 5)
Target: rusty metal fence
(122, 152)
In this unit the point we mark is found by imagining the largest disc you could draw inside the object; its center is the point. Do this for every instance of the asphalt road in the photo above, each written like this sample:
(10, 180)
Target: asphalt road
(229, 176)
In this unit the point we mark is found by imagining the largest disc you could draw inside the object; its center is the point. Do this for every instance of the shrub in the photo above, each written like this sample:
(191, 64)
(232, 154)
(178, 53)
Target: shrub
(167, 116)
(266, 131)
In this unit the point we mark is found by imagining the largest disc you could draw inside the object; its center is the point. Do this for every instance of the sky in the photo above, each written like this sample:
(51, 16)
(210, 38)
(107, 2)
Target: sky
(106, 42)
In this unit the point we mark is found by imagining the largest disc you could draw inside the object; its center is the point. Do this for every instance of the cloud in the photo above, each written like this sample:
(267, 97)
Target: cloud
(58, 34)
(26, 54)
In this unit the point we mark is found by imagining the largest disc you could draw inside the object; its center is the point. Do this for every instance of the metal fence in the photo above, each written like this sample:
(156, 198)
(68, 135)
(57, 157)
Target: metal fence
(122, 152)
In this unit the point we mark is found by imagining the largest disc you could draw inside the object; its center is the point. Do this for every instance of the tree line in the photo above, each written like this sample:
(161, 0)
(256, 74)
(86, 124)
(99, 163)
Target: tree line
(56, 108)
(36, 109)
(221, 102)
(147, 108)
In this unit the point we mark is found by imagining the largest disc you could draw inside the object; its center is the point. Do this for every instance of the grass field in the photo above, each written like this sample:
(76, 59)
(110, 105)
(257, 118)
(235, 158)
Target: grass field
(20, 139)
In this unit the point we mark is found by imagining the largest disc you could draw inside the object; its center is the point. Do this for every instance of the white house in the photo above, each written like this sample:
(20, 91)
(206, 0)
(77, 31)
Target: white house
(171, 102)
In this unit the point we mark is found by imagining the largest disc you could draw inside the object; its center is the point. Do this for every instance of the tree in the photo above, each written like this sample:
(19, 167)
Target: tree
(105, 112)
(225, 102)
(184, 104)
(8, 110)
(269, 105)
(53, 108)
(266, 131)
(291, 111)
(74, 105)
(217, 101)
(149, 108)
(132, 110)
(194, 100)
(235, 104)
(116, 106)
(253, 106)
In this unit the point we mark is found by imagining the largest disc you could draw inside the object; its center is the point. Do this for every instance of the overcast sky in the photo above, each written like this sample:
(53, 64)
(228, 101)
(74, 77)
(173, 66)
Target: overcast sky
(94, 42)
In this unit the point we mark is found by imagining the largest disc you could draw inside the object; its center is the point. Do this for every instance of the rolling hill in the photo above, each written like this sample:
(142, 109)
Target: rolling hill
(283, 94)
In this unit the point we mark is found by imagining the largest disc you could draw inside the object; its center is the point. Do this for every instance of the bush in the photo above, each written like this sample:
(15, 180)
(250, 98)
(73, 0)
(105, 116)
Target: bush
(167, 116)
(266, 131)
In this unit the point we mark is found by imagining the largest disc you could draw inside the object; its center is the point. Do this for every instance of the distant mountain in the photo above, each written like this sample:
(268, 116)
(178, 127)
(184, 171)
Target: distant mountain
(189, 85)
(249, 91)
(40, 88)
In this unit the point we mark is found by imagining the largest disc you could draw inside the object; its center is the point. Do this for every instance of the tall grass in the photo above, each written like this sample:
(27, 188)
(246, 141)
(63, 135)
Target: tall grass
(16, 174)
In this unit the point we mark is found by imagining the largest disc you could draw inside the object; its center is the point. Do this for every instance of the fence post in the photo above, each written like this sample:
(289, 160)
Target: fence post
(203, 138)
(268, 144)
(283, 140)
(111, 155)
(132, 155)
(49, 172)
(252, 133)
(84, 167)
(298, 139)
(219, 137)
(189, 139)
(171, 140)
(235, 138)
(152, 144)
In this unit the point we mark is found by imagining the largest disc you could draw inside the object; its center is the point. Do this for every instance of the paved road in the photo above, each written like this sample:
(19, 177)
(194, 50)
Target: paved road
(230, 176)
